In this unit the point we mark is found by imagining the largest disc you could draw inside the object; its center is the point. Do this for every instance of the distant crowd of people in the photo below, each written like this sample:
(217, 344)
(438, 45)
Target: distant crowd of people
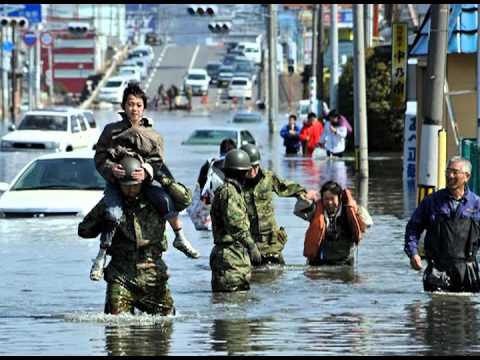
(328, 132)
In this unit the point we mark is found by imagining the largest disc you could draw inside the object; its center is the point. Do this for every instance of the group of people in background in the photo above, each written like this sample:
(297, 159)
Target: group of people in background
(329, 134)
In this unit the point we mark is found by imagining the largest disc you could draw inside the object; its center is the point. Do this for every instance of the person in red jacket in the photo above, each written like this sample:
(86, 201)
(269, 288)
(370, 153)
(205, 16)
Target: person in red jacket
(310, 133)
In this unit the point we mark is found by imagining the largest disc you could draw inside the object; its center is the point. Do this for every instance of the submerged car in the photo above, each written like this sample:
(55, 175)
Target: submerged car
(247, 117)
(59, 184)
(215, 135)
(55, 129)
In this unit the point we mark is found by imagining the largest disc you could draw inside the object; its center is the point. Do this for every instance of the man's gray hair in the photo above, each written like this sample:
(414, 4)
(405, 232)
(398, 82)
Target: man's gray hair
(467, 165)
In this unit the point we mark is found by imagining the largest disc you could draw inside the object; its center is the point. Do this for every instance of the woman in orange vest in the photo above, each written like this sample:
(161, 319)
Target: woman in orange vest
(337, 224)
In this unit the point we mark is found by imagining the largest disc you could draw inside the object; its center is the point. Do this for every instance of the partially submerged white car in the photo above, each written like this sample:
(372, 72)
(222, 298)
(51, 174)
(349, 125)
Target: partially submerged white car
(60, 184)
(55, 129)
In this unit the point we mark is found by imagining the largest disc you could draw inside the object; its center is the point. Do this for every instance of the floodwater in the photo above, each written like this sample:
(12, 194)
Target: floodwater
(48, 305)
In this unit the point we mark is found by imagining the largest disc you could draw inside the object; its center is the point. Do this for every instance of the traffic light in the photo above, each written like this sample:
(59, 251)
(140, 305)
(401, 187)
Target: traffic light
(202, 10)
(220, 27)
(78, 28)
(19, 22)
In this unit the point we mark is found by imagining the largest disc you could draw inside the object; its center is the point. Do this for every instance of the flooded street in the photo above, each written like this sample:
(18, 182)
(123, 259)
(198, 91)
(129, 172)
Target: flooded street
(49, 306)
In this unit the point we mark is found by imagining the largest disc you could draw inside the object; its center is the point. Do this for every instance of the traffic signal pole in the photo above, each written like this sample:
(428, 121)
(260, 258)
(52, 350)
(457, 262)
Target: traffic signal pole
(433, 100)
(14, 76)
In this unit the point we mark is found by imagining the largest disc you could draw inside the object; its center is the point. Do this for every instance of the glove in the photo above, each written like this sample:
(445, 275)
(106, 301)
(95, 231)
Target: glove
(255, 255)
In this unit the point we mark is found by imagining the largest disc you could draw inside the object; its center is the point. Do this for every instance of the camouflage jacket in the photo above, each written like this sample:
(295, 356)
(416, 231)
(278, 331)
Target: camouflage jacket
(120, 138)
(259, 200)
(229, 215)
(139, 240)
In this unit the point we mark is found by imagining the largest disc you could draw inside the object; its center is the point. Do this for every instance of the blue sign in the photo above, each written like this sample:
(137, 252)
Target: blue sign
(142, 16)
(7, 46)
(33, 12)
(29, 38)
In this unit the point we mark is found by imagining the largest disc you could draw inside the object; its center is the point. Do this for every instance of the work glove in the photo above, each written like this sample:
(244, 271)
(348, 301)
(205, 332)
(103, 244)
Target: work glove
(255, 255)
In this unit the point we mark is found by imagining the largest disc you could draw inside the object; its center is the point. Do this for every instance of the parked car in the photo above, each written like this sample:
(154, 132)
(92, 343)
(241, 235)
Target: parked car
(247, 67)
(215, 135)
(152, 38)
(55, 184)
(225, 76)
(198, 80)
(240, 87)
(213, 69)
(229, 60)
(141, 63)
(143, 51)
(247, 117)
(131, 72)
(113, 89)
(56, 129)
(252, 52)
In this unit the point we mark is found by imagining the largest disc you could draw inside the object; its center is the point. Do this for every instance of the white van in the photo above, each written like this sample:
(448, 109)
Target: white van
(198, 80)
(252, 52)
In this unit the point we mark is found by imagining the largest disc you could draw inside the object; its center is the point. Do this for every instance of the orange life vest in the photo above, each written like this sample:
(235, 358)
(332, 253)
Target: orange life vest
(316, 231)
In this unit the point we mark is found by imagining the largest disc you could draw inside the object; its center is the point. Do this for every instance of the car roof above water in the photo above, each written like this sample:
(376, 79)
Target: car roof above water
(78, 154)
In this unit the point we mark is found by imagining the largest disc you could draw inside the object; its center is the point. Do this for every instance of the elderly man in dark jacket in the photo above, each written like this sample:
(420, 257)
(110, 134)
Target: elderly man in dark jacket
(451, 219)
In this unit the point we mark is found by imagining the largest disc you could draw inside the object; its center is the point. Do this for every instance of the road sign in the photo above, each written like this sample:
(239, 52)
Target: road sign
(29, 38)
(46, 38)
(7, 46)
(33, 12)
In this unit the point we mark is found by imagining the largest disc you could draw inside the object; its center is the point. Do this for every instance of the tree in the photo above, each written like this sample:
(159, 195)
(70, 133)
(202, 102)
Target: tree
(385, 125)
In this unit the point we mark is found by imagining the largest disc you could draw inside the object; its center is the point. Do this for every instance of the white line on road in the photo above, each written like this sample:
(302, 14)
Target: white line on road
(155, 68)
(194, 57)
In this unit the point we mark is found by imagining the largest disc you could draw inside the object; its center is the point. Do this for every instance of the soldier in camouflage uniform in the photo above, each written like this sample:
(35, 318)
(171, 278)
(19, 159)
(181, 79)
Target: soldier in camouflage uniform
(136, 275)
(234, 250)
(257, 193)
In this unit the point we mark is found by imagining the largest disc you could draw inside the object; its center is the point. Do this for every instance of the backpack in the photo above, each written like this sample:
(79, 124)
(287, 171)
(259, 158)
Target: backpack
(215, 178)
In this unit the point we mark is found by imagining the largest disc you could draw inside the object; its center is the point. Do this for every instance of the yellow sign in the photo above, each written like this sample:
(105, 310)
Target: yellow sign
(399, 65)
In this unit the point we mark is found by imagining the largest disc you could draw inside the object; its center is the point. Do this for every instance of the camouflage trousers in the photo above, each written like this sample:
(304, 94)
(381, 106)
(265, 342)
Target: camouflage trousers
(147, 291)
(231, 268)
(271, 246)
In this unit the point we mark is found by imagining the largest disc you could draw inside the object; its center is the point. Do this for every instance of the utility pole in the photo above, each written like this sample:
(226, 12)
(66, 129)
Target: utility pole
(368, 12)
(433, 100)
(478, 79)
(14, 76)
(273, 78)
(38, 66)
(360, 99)
(314, 68)
(2, 79)
(320, 48)
(334, 51)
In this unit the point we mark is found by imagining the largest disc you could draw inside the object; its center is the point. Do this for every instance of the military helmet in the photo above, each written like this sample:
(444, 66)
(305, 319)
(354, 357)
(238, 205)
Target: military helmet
(237, 159)
(252, 152)
(129, 164)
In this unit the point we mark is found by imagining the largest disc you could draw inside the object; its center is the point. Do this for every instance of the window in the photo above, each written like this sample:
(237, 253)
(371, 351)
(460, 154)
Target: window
(44, 122)
(90, 119)
(196, 77)
(246, 136)
(75, 125)
(81, 120)
(61, 174)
